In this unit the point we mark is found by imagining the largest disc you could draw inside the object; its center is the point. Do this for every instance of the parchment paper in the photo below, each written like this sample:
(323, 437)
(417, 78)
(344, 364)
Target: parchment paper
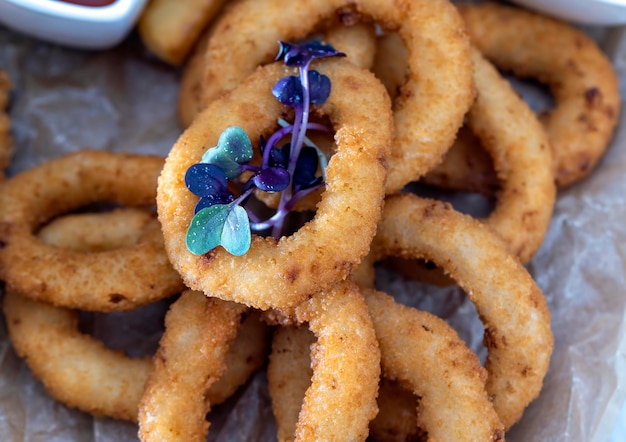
(124, 100)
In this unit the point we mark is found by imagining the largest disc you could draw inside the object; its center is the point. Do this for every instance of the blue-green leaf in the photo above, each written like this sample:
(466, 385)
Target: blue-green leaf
(236, 235)
(233, 149)
(221, 224)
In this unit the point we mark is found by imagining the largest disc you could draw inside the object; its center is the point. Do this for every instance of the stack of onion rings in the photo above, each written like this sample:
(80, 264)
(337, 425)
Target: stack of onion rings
(418, 349)
(439, 79)
(281, 273)
(80, 371)
(513, 309)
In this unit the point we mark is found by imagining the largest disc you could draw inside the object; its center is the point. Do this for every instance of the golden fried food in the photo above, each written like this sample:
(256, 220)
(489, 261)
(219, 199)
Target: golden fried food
(281, 273)
(511, 306)
(579, 75)
(118, 279)
(340, 398)
(434, 98)
(170, 28)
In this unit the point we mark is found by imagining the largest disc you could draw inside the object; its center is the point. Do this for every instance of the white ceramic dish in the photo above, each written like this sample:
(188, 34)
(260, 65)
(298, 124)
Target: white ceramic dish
(586, 12)
(77, 26)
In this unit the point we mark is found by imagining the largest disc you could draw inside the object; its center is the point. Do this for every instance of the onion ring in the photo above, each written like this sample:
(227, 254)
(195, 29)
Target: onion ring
(73, 279)
(191, 357)
(80, 371)
(282, 273)
(358, 41)
(419, 350)
(434, 99)
(426, 355)
(6, 142)
(97, 232)
(510, 304)
(515, 140)
(522, 157)
(340, 400)
(581, 78)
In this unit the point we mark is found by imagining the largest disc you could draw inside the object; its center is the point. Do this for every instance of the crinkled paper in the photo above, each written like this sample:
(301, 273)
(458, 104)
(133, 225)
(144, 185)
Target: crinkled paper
(125, 100)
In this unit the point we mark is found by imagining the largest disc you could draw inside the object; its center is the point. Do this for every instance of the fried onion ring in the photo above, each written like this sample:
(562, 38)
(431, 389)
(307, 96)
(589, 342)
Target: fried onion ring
(419, 350)
(358, 41)
(522, 157)
(340, 400)
(580, 76)
(77, 279)
(6, 141)
(281, 273)
(83, 373)
(191, 357)
(427, 356)
(80, 371)
(520, 150)
(434, 99)
(512, 307)
(96, 232)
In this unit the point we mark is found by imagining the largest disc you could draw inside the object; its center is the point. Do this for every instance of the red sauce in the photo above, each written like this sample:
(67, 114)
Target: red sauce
(92, 3)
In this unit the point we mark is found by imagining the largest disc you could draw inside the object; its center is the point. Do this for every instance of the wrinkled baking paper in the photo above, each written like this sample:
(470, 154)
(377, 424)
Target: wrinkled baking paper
(124, 100)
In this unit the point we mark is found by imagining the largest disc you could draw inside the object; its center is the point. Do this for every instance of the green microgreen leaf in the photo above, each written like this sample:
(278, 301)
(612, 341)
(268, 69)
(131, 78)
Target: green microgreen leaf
(221, 224)
(233, 149)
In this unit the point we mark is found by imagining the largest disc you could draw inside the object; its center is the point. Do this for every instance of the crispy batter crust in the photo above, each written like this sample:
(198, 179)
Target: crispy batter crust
(74, 279)
(511, 306)
(579, 75)
(282, 273)
(434, 99)
(339, 397)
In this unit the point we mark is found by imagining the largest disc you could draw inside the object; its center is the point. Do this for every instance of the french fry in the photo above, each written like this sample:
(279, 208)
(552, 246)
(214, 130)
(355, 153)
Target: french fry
(170, 28)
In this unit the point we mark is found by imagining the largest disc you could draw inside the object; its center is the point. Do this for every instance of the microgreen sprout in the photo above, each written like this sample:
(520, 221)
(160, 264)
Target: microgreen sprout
(221, 218)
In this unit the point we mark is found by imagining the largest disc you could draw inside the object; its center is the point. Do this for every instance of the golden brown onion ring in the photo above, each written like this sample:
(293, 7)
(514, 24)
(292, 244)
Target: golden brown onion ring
(80, 371)
(358, 41)
(580, 76)
(74, 368)
(118, 279)
(420, 351)
(511, 306)
(522, 157)
(97, 232)
(434, 99)
(281, 273)
(427, 356)
(340, 400)
(514, 139)
(191, 357)
(191, 361)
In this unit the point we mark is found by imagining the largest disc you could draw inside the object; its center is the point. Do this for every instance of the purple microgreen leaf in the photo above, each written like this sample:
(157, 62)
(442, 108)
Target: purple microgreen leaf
(272, 179)
(319, 87)
(221, 224)
(301, 55)
(233, 149)
(306, 168)
(206, 180)
(208, 201)
(288, 90)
